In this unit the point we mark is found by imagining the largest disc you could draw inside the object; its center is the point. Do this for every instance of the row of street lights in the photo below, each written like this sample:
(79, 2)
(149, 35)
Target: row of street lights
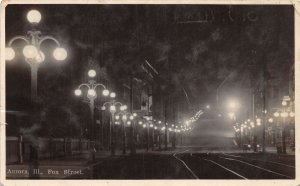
(252, 126)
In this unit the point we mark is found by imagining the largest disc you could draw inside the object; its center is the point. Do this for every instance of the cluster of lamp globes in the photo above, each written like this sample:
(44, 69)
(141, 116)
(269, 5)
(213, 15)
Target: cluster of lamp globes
(196, 117)
(284, 114)
(31, 51)
(91, 91)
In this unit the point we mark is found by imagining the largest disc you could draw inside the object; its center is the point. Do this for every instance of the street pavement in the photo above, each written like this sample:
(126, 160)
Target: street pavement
(181, 163)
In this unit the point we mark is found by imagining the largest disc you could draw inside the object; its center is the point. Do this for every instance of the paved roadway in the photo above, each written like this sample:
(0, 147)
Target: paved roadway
(197, 163)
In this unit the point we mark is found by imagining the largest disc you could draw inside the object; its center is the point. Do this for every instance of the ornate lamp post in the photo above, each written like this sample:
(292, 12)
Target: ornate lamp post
(32, 50)
(113, 109)
(284, 115)
(91, 93)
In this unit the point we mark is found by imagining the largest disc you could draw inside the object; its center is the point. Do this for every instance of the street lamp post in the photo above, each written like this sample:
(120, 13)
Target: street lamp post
(32, 51)
(112, 108)
(91, 94)
(124, 119)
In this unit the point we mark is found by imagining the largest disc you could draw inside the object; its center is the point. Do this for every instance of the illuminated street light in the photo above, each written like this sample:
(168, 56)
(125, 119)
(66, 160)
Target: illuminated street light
(113, 109)
(284, 114)
(276, 114)
(231, 115)
(31, 51)
(284, 103)
(112, 95)
(105, 92)
(140, 122)
(34, 16)
(92, 73)
(270, 120)
(144, 125)
(292, 114)
(233, 104)
(208, 106)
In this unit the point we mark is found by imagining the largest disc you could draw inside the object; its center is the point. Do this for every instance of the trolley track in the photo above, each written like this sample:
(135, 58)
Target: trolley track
(227, 166)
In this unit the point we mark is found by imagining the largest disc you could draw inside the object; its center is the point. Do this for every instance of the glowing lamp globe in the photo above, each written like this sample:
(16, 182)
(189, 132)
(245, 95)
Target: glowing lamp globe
(151, 125)
(34, 16)
(140, 123)
(77, 92)
(112, 108)
(91, 73)
(103, 108)
(117, 117)
(91, 92)
(284, 114)
(128, 122)
(40, 57)
(105, 92)
(292, 114)
(270, 120)
(30, 51)
(144, 126)
(124, 117)
(131, 117)
(60, 54)
(134, 114)
(276, 114)
(112, 95)
(9, 53)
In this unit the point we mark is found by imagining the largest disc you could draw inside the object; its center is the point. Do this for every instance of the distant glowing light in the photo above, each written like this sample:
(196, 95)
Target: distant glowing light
(77, 92)
(30, 51)
(112, 108)
(92, 73)
(34, 16)
(91, 92)
(9, 53)
(270, 120)
(284, 103)
(40, 57)
(60, 54)
(105, 92)
(284, 114)
(276, 114)
(112, 95)
(292, 114)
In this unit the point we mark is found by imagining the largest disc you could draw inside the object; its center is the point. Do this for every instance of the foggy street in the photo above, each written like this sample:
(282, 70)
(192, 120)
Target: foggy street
(174, 91)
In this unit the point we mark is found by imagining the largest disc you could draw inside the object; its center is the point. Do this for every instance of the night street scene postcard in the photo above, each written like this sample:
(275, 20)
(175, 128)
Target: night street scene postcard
(149, 91)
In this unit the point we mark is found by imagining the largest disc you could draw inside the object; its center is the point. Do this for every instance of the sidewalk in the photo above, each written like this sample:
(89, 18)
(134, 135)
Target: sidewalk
(77, 166)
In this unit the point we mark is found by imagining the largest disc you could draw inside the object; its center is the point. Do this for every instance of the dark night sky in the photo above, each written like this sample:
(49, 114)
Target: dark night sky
(196, 55)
